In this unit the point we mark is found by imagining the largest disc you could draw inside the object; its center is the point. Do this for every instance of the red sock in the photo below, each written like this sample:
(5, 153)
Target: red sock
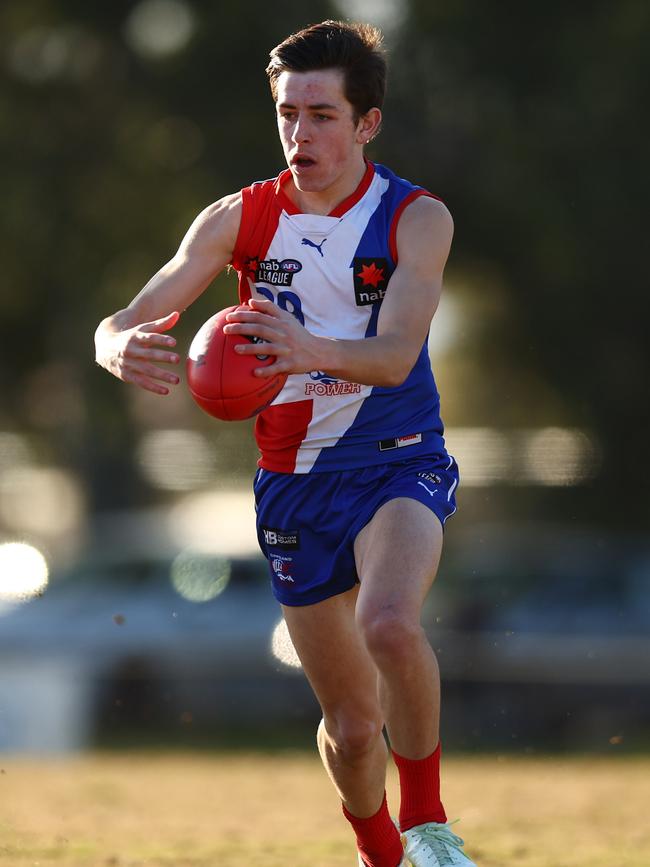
(378, 840)
(419, 782)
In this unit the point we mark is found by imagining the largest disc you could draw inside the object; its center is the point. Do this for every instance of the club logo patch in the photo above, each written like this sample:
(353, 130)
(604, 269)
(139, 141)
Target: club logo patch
(370, 279)
(277, 272)
(280, 565)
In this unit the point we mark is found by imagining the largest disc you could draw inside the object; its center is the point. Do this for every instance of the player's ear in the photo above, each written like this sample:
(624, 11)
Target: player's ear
(368, 126)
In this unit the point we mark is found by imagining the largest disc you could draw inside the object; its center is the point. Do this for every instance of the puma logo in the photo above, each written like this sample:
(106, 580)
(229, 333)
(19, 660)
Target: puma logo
(428, 490)
(309, 243)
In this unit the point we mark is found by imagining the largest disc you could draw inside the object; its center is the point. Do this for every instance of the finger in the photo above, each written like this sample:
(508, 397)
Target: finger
(150, 371)
(152, 354)
(265, 306)
(248, 316)
(250, 329)
(143, 382)
(154, 337)
(266, 348)
(163, 324)
(281, 365)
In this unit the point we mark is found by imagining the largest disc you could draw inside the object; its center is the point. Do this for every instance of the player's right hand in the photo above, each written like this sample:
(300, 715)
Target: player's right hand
(133, 354)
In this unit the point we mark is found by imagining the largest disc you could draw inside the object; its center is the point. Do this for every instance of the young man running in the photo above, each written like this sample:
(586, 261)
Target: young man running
(341, 263)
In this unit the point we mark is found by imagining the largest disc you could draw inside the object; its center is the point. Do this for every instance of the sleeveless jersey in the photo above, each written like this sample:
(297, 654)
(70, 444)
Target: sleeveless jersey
(332, 272)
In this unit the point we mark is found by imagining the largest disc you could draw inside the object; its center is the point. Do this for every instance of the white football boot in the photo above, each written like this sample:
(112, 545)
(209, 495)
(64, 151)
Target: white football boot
(434, 845)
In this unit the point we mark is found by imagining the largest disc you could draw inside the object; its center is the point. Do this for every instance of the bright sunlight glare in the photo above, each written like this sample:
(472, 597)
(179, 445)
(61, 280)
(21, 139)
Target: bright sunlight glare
(23, 571)
(282, 647)
(199, 577)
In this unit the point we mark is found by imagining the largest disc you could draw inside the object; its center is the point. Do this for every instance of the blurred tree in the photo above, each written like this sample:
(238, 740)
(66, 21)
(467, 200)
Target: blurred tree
(528, 119)
(112, 147)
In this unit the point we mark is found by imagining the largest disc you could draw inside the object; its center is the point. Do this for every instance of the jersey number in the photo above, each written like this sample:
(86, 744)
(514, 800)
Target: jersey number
(288, 301)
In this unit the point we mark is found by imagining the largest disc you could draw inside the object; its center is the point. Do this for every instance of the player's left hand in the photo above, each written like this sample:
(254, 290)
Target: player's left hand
(296, 350)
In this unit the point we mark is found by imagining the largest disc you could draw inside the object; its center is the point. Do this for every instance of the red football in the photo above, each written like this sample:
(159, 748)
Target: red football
(220, 380)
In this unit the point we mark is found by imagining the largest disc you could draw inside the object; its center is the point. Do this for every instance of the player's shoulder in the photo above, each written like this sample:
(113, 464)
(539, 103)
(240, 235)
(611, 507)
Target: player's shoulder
(425, 230)
(220, 220)
(224, 209)
(227, 211)
(427, 211)
(413, 199)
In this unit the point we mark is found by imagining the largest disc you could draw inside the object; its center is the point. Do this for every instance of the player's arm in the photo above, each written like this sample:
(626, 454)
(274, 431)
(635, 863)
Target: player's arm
(131, 343)
(424, 235)
(424, 238)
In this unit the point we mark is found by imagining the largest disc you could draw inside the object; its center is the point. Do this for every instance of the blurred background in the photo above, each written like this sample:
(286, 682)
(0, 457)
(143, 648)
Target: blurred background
(134, 605)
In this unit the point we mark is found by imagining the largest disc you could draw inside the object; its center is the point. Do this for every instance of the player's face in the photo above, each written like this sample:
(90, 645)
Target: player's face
(322, 144)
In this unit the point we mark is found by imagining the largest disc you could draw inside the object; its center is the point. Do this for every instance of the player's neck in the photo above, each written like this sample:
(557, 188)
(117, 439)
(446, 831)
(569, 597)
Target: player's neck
(323, 202)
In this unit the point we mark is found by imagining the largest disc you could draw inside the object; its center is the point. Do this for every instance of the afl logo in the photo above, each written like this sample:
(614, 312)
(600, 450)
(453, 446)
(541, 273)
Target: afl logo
(277, 272)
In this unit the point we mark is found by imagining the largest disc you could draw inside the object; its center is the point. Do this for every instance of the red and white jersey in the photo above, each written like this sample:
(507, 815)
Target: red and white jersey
(332, 272)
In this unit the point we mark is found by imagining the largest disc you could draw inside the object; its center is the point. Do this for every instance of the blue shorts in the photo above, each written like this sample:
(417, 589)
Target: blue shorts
(307, 522)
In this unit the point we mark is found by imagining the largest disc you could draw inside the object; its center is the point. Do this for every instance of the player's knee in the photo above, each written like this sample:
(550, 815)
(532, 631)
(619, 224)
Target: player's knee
(390, 635)
(352, 736)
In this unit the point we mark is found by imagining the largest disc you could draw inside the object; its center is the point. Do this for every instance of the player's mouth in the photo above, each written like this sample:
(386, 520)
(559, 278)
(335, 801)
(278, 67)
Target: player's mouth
(302, 162)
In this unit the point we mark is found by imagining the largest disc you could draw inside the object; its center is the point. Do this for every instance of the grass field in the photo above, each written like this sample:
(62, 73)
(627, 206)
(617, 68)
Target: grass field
(213, 810)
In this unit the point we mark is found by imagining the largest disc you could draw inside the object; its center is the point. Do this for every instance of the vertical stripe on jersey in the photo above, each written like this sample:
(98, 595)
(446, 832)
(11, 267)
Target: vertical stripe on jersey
(259, 223)
(382, 413)
(279, 430)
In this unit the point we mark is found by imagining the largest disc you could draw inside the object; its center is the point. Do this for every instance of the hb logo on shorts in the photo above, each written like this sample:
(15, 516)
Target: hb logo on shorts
(285, 539)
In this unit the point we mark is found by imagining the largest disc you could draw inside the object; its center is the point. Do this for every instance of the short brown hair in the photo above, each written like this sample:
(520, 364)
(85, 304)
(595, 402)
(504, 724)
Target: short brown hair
(355, 49)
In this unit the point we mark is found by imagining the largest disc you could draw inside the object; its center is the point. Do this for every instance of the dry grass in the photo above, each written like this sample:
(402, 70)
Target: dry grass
(264, 811)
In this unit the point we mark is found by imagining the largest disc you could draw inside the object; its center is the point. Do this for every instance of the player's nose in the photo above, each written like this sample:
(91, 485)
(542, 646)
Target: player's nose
(301, 132)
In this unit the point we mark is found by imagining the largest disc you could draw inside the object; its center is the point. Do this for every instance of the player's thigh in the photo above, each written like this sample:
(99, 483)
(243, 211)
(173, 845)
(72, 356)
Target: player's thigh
(333, 656)
(397, 555)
